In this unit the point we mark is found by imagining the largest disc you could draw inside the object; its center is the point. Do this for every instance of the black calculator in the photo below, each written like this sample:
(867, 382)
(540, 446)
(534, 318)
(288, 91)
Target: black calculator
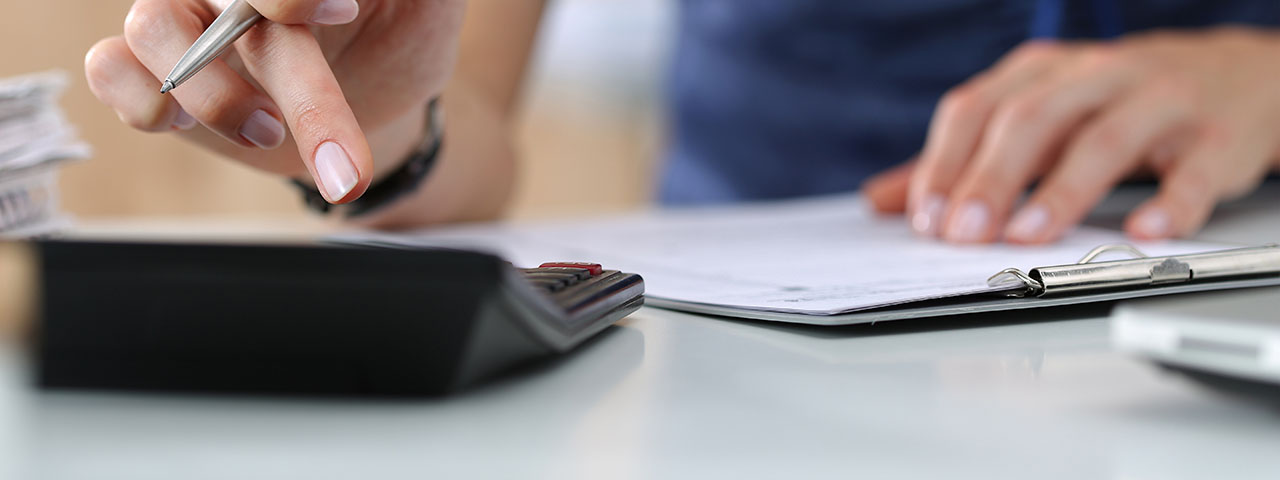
(313, 319)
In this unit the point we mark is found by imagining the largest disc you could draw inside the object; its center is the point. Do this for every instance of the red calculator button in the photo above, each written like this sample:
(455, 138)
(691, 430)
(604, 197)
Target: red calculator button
(594, 268)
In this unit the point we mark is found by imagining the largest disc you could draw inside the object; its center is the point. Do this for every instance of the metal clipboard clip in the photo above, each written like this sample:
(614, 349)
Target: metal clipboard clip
(1138, 271)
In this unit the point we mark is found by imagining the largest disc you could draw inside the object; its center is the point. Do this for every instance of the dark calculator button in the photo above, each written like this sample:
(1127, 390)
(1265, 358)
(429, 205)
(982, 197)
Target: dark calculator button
(548, 284)
(579, 273)
(593, 268)
(567, 279)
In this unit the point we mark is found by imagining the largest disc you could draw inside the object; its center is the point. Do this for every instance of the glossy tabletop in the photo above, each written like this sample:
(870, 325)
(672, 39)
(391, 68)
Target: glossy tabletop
(1035, 394)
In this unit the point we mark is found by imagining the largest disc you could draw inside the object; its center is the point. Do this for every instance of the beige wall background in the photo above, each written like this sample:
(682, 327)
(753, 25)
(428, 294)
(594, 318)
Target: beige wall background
(591, 117)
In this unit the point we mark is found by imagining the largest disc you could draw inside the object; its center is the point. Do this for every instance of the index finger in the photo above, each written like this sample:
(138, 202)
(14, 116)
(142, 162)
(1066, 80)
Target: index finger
(288, 63)
(298, 12)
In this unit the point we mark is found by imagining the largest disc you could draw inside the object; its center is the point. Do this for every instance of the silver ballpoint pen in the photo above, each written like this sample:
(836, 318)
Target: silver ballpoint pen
(224, 31)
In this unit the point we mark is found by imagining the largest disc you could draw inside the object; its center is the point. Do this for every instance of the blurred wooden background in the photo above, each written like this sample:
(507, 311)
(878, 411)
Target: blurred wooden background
(591, 116)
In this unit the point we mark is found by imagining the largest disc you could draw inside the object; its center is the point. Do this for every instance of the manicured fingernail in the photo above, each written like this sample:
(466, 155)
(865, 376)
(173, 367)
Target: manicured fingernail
(263, 130)
(1029, 223)
(1155, 223)
(335, 12)
(337, 174)
(184, 120)
(969, 225)
(928, 215)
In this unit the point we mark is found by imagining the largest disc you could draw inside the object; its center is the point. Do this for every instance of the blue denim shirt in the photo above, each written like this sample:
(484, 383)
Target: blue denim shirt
(783, 98)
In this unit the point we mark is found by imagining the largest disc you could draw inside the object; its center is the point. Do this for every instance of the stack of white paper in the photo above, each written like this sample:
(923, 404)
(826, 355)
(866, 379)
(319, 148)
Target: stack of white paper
(35, 139)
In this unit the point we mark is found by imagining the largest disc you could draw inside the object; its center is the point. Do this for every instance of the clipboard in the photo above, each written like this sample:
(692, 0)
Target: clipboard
(1086, 281)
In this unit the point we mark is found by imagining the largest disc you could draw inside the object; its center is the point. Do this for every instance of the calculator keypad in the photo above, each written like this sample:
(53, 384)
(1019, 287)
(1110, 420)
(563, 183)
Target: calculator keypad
(555, 277)
(583, 290)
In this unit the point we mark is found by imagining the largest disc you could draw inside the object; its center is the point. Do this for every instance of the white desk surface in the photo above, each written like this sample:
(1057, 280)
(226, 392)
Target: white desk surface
(667, 395)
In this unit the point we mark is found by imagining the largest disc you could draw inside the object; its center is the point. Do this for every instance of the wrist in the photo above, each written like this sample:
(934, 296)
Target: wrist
(394, 143)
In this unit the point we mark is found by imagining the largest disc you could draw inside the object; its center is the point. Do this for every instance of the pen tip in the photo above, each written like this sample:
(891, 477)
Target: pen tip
(168, 85)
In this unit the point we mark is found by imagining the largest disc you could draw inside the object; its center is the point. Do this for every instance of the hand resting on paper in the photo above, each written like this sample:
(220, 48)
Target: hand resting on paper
(1199, 110)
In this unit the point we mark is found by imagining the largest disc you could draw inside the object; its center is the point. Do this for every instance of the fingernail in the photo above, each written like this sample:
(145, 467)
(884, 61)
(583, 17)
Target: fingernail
(1029, 223)
(337, 174)
(184, 120)
(1155, 223)
(928, 215)
(336, 12)
(263, 130)
(969, 224)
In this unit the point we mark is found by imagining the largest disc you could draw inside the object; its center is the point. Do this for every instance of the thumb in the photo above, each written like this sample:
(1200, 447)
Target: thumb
(315, 12)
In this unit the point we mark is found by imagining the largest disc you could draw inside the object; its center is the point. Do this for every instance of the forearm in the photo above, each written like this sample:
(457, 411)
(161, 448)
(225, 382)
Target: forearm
(474, 175)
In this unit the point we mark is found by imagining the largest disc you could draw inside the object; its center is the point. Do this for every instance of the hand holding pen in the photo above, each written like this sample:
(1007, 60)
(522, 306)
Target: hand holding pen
(315, 73)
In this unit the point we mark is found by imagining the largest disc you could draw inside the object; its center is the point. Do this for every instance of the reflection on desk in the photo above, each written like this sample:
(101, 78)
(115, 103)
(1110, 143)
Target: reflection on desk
(675, 395)
(137, 436)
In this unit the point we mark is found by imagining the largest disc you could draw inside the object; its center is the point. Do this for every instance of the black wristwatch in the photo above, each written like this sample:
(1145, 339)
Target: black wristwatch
(401, 182)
